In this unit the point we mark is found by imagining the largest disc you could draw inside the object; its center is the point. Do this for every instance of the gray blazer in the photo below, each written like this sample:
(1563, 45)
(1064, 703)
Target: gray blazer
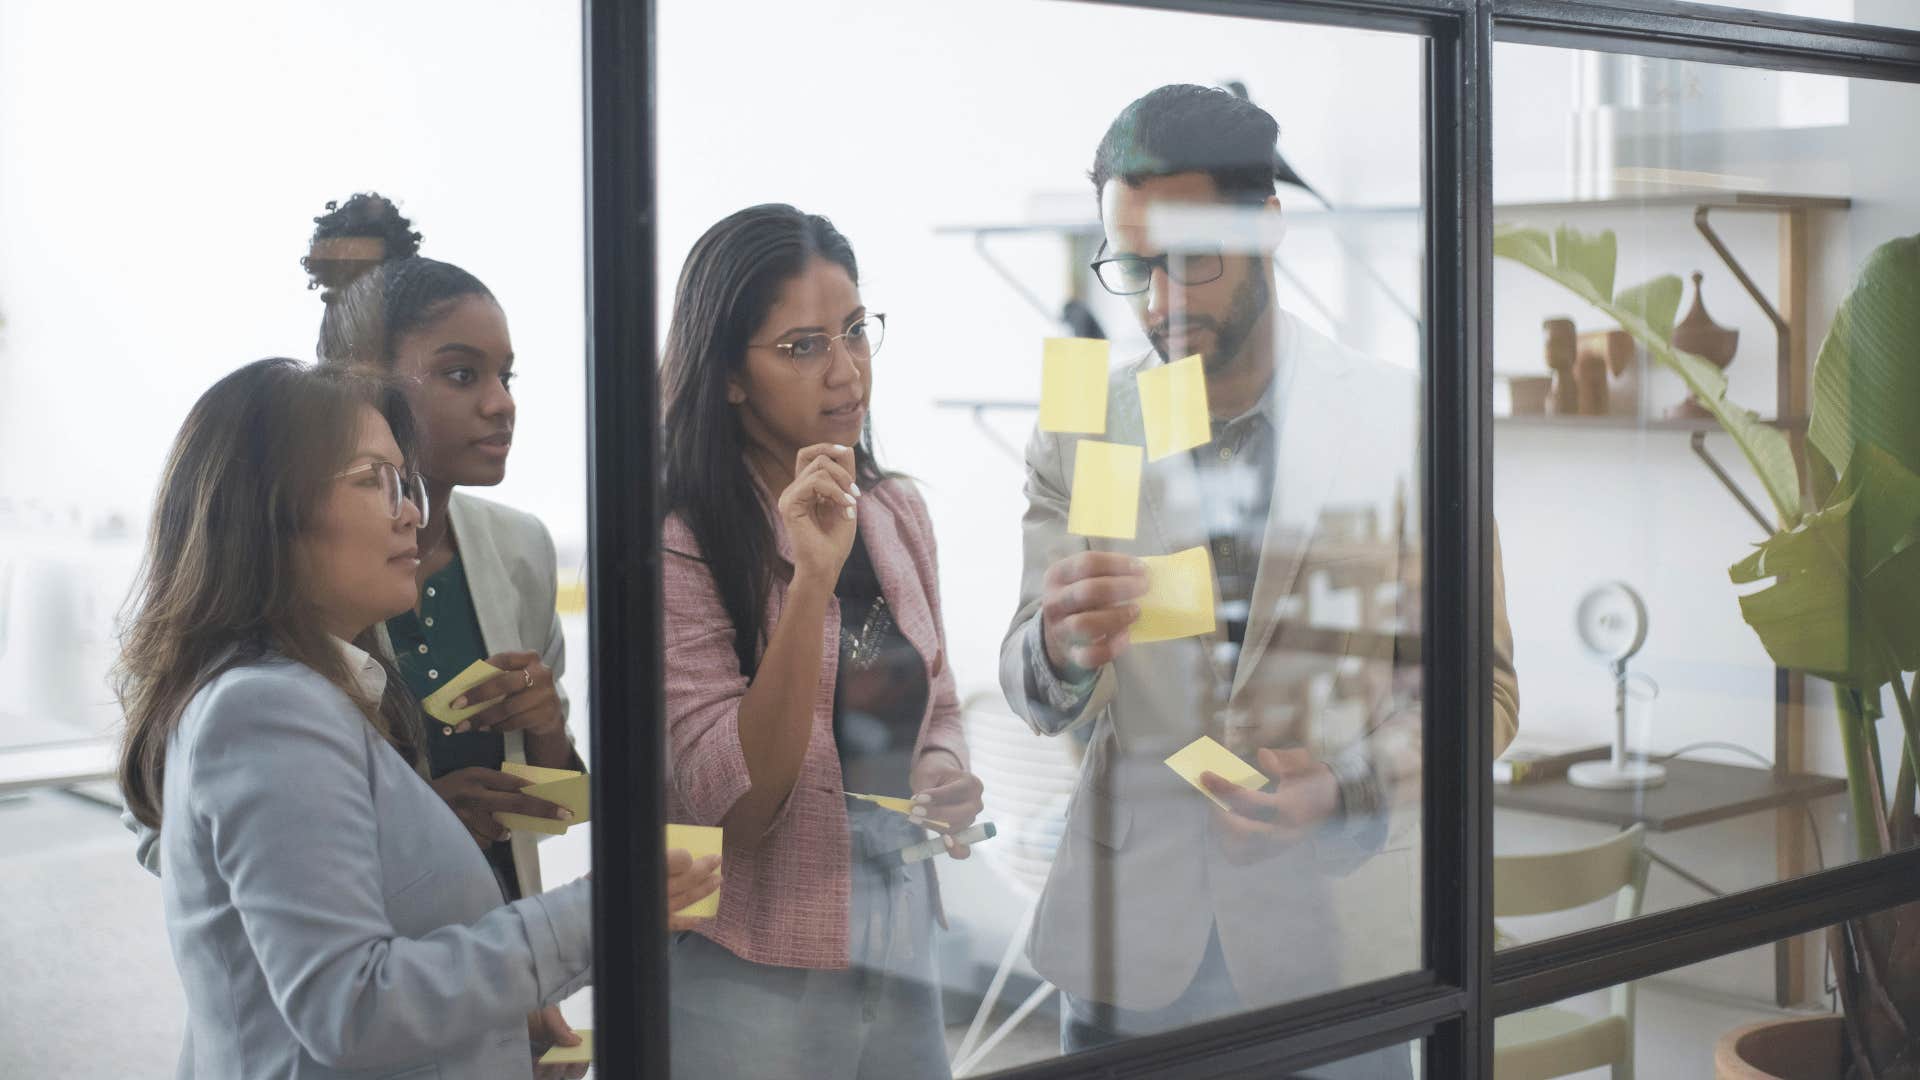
(328, 913)
(510, 564)
(1139, 883)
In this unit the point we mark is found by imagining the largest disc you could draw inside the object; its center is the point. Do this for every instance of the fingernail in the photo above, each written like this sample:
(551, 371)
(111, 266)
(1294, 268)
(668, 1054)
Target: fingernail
(856, 489)
(463, 726)
(506, 834)
(840, 448)
(1138, 565)
(848, 499)
(566, 814)
(917, 816)
(850, 514)
(948, 840)
(460, 703)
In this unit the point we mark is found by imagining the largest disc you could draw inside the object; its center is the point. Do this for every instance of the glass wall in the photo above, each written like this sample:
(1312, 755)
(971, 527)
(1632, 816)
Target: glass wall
(1895, 13)
(1138, 501)
(160, 180)
(1688, 352)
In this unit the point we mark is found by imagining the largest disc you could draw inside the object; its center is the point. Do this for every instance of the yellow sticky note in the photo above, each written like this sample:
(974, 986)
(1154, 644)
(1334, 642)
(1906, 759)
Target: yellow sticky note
(890, 802)
(439, 704)
(1106, 490)
(1179, 600)
(1073, 385)
(1204, 755)
(563, 787)
(1173, 407)
(698, 841)
(572, 1055)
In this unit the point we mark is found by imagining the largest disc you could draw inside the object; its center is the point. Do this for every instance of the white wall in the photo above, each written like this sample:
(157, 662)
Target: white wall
(160, 167)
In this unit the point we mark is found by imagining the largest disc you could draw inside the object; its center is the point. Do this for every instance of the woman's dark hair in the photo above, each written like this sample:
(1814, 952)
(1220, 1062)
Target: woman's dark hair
(377, 288)
(730, 282)
(223, 582)
(1185, 128)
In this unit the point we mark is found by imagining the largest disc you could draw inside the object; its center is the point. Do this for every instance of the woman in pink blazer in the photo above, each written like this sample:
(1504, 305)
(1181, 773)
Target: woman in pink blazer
(805, 659)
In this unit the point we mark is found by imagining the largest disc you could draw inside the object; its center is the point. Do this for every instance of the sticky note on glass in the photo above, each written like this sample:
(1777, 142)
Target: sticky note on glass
(1173, 407)
(894, 803)
(1073, 385)
(1106, 490)
(439, 704)
(563, 787)
(699, 841)
(572, 1055)
(1203, 755)
(1179, 600)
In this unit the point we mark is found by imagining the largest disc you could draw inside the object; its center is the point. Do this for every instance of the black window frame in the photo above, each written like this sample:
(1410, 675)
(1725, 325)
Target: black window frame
(1453, 1000)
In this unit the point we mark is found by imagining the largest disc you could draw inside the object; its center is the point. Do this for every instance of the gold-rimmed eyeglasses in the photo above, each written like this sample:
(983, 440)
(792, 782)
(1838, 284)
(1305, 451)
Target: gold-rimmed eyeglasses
(810, 355)
(394, 485)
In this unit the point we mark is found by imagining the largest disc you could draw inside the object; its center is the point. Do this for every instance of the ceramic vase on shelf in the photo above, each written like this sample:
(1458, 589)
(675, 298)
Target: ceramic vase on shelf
(1701, 336)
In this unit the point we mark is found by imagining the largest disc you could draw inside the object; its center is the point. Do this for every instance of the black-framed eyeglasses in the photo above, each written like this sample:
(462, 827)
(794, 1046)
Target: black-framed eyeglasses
(395, 486)
(811, 354)
(1131, 275)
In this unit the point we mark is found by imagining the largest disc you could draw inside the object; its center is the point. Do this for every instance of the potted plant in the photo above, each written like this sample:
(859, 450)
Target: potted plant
(1836, 594)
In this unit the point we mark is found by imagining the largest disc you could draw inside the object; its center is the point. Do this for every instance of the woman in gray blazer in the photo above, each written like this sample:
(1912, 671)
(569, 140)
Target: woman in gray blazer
(328, 914)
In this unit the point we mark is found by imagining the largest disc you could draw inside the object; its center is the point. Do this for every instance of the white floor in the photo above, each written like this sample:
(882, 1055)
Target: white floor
(87, 987)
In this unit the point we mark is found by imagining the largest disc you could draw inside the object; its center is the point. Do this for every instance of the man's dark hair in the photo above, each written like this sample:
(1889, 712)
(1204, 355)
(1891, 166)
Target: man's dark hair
(1185, 128)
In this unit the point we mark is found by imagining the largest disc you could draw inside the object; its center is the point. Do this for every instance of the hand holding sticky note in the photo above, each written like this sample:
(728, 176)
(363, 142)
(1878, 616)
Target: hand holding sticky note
(565, 788)
(1173, 407)
(439, 704)
(698, 841)
(572, 1055)
(1106, 490)
(1073, 385)
(1179, 600)
(1204, 755)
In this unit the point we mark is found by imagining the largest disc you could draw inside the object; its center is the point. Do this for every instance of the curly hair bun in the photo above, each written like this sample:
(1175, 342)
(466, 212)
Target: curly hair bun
(352, 238)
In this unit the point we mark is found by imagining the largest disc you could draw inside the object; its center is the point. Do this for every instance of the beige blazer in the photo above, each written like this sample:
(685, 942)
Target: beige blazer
(1140, 881)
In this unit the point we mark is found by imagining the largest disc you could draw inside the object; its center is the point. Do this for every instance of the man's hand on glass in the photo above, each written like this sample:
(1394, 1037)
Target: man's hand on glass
(1087, 607)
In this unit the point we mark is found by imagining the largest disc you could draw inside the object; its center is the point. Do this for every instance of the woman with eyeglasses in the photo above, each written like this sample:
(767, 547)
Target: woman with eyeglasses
(327, 914)
(805, 660)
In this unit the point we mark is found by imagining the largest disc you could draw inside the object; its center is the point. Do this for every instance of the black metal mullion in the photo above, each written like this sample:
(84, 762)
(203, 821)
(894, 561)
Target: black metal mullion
(630, 942)
(1457, 619)
(1561, 967)
(1298, 1035)
(1688, 31)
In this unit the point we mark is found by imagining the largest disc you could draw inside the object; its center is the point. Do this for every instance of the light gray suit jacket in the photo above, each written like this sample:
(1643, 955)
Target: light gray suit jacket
(329, 915)
(1139, 880)
(511, 576)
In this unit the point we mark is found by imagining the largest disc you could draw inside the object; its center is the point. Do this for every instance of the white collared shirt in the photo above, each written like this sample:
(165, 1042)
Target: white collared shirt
(368, 676)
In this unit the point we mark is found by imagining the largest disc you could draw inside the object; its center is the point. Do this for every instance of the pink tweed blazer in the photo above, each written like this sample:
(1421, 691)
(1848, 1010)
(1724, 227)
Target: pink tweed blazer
(785, 901)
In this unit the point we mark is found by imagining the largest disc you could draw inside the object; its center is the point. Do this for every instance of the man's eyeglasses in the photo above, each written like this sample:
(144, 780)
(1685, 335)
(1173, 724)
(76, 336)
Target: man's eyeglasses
(396, 486)
(811, 355)
(1131, 275)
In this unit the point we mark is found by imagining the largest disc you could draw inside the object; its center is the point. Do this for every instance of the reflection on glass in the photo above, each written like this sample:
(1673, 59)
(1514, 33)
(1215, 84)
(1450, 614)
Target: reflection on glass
(97, 379)
(1895, 13)
(1168, 652)
(1697, 336)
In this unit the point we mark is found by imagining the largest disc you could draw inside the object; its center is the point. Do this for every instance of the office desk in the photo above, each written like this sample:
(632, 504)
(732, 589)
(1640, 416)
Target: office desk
(1696, 793)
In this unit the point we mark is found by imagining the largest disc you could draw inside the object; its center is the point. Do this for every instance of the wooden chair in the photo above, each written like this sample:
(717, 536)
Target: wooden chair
(1552, 1041)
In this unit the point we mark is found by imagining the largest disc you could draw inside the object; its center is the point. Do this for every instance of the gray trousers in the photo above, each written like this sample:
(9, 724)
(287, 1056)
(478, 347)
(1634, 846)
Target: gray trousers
(878, 1020)
(1086, 1024)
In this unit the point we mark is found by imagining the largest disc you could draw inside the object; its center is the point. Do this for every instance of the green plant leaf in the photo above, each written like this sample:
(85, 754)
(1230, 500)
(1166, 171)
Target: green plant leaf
(1575, 260)
(1591, 257)
(1657, 302)
(1866, 387)
(1845, 581)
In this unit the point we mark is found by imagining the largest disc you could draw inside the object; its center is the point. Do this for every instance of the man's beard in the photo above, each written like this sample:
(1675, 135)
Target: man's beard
(1230, 333)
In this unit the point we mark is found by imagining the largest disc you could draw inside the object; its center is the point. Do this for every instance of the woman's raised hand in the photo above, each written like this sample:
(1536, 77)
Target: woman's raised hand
(818, 508)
